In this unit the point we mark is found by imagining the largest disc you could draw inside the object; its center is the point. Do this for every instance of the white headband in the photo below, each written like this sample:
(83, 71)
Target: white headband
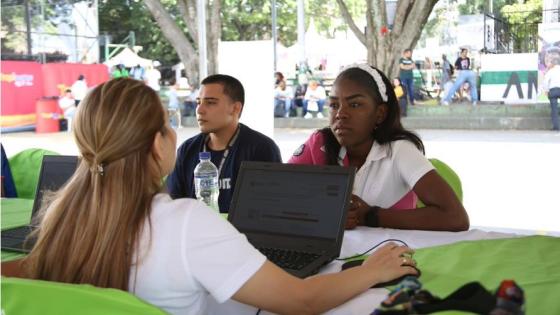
(374, 74)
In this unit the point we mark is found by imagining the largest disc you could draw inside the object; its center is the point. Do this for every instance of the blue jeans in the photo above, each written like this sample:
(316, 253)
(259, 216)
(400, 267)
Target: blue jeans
(320, 104)
(287, 103)
(408, 84)
(553, 96)
(464, 76)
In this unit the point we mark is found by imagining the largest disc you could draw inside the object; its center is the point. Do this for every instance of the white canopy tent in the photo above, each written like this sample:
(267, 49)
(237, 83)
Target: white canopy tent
(129, 59)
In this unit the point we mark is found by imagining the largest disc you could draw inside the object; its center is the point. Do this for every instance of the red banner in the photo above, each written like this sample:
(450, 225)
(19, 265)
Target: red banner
(60, 76)
(22, 86)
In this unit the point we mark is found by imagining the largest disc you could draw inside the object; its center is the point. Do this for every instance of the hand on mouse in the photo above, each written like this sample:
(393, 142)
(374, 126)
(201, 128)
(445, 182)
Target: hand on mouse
(357, 211)
(391, 261)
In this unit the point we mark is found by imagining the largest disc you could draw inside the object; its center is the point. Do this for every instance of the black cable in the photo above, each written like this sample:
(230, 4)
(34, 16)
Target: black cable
(374, 247)
(258, 312)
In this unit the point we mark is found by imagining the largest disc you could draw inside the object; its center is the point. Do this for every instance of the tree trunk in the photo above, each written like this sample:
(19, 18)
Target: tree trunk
(385, 46)
(213, 35)
(185, 44)
(176, 38)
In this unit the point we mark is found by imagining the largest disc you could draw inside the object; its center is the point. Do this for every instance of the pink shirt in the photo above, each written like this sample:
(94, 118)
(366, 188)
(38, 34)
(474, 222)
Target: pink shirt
(312, 152)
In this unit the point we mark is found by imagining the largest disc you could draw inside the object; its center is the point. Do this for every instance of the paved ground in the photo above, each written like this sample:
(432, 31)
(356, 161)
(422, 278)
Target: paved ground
(511, 179)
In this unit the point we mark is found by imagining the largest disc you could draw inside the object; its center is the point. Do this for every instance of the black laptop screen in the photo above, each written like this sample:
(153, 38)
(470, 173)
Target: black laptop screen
(291, 202)
(55, 172)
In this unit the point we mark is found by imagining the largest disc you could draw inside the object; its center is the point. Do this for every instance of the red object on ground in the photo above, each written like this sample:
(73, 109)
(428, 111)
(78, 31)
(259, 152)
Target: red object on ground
(48, 115)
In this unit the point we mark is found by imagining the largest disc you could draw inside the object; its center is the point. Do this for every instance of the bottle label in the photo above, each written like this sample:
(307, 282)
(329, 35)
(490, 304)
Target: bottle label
(206, 182)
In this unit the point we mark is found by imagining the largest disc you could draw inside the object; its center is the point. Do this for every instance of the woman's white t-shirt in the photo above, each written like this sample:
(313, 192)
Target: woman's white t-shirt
(187, 252)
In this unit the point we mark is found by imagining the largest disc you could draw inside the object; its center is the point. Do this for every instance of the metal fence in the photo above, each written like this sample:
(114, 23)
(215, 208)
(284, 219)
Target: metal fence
(502, 37)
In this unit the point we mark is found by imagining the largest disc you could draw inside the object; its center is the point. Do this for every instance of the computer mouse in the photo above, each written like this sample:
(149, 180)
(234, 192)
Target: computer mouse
(355, 263)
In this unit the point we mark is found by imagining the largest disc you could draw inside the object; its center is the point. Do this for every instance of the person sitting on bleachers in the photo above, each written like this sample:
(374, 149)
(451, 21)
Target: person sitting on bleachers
(314, 100)
(282, 100)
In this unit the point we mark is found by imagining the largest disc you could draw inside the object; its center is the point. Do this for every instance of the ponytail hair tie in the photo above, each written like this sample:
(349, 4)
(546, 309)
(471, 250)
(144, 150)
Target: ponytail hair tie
(98, 169)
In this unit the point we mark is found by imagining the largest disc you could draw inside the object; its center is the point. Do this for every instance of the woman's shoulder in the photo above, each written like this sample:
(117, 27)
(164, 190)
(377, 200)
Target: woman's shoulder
(403, 146)
(163, 204)
(185, 208)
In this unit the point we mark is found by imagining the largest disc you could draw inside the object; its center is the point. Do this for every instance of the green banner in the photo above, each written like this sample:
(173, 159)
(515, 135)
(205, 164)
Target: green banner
(503, 77)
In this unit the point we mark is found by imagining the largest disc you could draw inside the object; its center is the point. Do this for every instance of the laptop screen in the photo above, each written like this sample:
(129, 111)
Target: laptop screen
(56, 170)
(287, 199)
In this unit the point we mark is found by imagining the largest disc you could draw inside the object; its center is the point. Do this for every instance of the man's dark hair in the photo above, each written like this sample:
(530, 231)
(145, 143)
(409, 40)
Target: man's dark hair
(232, 87)
(407, 50)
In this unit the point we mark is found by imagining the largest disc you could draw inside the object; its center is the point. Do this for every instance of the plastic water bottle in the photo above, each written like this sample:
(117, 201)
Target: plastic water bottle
(206, 181)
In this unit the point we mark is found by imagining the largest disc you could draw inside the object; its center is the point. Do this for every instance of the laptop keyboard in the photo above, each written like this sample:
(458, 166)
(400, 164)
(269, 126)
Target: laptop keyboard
(14, 238)
(288, 259)
(17, 233)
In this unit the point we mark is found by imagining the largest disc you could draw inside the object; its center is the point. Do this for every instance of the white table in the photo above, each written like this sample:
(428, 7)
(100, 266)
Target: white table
(358, 241)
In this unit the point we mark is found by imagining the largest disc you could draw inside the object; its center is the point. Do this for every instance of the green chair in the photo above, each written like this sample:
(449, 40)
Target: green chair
(26, 166)
(27, 297)
(449, 176)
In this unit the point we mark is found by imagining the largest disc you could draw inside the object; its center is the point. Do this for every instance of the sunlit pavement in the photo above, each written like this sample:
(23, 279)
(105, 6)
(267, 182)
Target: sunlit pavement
(511, 179)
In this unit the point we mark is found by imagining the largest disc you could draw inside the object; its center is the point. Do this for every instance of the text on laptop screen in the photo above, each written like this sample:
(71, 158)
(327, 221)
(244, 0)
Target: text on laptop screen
(290, 203)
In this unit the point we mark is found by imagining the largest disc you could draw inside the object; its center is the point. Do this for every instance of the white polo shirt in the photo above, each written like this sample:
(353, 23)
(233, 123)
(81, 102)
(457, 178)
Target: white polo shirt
(390, 172)
(552, 78)
(188, 252)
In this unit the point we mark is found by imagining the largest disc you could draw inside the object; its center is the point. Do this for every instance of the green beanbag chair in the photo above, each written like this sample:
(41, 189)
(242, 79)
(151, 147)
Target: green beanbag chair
(26, 166)
(27, 297)
(449, 176)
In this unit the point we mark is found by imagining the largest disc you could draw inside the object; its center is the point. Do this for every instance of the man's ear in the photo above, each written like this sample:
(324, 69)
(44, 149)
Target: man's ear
(237, 107)
(381, 114)
(157, 146)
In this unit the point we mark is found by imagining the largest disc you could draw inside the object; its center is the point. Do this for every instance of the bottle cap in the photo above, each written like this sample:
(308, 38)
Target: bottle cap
(204, 155)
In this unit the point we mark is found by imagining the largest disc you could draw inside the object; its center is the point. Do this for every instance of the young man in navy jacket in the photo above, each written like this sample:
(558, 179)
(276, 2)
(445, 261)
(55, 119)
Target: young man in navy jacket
(219, 106)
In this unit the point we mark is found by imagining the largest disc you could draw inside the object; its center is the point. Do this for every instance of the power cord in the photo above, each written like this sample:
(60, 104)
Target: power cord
(374, 247)
(258, 312)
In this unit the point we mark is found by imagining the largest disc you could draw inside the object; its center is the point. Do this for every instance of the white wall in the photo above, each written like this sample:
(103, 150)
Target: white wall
(252, 63)
(496, 70)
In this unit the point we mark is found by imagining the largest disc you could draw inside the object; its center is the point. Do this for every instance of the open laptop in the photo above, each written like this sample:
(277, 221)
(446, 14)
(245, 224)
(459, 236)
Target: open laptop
(294, 214)
(55, 172)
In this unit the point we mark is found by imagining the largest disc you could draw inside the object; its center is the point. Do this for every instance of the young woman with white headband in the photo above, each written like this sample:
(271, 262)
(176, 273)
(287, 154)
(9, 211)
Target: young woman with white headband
(392, 172)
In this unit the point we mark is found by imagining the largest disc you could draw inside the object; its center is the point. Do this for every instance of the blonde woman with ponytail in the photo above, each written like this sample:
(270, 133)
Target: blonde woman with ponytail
(112, 226)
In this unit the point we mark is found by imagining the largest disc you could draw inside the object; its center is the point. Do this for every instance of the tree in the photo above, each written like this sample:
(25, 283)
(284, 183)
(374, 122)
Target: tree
(118, 17)
(44, 16)
(185, 41)
(385, 43)
(251, 19)
(523, 20)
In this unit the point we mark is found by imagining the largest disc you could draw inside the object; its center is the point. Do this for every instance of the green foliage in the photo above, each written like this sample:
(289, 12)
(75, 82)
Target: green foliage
(251, 19)
(118, 17)
(523, 19)
(529, 12)
(482, 6)
(472, 7)
(44, 17)
(13, 27)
